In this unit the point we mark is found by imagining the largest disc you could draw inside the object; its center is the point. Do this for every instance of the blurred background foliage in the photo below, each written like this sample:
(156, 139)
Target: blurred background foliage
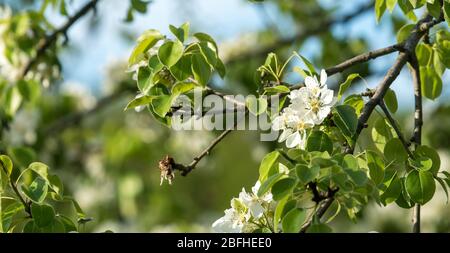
(108, 158)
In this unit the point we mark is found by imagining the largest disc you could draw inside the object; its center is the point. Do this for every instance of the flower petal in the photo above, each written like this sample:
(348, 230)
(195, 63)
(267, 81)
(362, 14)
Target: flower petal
(293, 140)
(323, 77)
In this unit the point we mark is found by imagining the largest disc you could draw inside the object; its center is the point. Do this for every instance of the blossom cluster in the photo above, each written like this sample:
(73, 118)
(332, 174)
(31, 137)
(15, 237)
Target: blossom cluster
(248, 212)
(309, 106)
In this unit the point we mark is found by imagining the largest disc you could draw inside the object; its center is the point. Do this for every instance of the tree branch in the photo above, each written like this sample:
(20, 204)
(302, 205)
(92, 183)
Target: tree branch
(321, 27)
(418, 122)
(48, 41)
(410, 44)
(396, 128)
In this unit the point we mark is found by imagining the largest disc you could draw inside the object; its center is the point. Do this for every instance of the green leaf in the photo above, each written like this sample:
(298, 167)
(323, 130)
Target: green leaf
(183, 87)
(390, 4)
(37, 190)
(382, 132)
(345, 118)
(392, 191)
(201, 69)
(69, 225)
(8, 214)
(267, 162)
(319, 228)
(306, 173)
(421, 163)
(356, 101)
(282, 188)
(293, 220)
(209, 54)
(345, 85)
(404, 32)
(407, 9)
(43, 215)
(420, 186)
(423, 52)
(394, 151)
(380, 8)
(182, 69)
(23, 156)
(170, 52)
(147, 40)
(269, 182)
(40, 168)
(403, 199)
(6, 164)
(425, 151)
(162, 104)
(376, 166)
(144, 78)
(308, 64)
(277, 89)
(390, 99)
(56, 185)
(278, 212)
(319, 141)
(182, 32)
(220, 67)
(139, 101)
(431, 82)
(203, 37)
(434, 9)
(29, 89)
(447, 11)
(255, 105)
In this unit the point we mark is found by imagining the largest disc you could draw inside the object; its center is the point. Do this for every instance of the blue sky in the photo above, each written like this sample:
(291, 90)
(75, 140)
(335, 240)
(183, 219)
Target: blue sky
(223, 19)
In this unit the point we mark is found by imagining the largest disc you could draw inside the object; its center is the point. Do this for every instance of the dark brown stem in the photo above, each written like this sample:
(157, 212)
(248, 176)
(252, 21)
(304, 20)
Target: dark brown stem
(396, 127)
(418, 122)
(48, 41)
(364, 58)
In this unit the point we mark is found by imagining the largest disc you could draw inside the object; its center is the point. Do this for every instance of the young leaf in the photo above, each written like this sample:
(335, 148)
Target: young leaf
(182, 32)
(306, 173)
(293, 220)
(282, 188)
(182, 69)
(6, 164)
(394, 151)
(319, 141)
(431, 82)
(420, 186)
(267, 162)
(145, 41)
(376, 166)
(170, 52)
(37, 190)
(380, 8)
(425, 151)
(139, 101)
(390, 99)
(345, 118)
(382, 132)
(201, 69)
(43, 215)
(345, 85)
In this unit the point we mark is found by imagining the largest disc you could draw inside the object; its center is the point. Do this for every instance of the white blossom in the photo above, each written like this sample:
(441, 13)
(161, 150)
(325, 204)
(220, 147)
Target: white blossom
(234, 219)
(310, 105)
(253, 202)
(245, 213)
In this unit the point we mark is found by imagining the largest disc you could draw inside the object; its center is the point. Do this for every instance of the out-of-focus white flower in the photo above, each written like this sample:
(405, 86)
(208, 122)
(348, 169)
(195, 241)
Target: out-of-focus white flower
(22, 129)
(84, 97)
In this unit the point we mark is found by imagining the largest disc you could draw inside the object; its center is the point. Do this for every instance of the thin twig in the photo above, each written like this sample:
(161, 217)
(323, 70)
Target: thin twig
(396, 127)
(48, 41)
